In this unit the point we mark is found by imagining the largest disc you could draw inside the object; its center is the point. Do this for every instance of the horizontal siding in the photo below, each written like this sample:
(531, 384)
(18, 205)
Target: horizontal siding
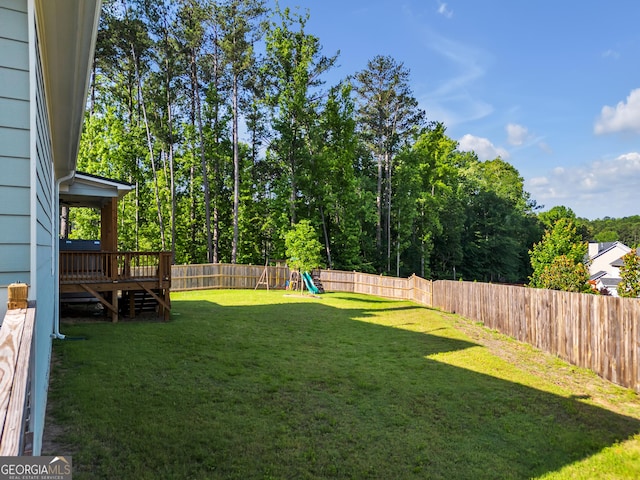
(14, 84)
(13, 201)
(44, 228)
(14, 54)
(44, 175)
(14, 142)
(15, 149)
(12, 23)
(44, 260)
(14, 258)
(44, 276)
(6, 279)
(18, 5)
(19, 231)
(14, 113)
(15, 172)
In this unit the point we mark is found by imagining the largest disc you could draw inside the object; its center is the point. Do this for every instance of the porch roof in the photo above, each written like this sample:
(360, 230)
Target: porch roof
(92, 191)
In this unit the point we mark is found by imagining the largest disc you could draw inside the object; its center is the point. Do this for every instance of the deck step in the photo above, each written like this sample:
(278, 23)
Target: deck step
(143, 303)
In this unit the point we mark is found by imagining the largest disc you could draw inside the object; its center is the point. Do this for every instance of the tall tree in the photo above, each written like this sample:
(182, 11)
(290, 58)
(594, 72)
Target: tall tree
(551, 216)
(240, 29)
(388, 115)
(496, 232)
(332, 182)
(172, 82)
(165, 88)
(293, 67)
(193, 17)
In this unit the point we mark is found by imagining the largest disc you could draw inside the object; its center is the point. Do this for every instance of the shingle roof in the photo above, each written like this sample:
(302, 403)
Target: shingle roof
(605, 247)
(610, 282)
(617, 263)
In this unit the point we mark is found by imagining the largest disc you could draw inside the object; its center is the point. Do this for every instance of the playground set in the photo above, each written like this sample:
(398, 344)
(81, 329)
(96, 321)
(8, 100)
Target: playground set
(297, 280)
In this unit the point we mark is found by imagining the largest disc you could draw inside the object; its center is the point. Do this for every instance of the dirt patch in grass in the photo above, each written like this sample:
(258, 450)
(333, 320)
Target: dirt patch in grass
(53, 431)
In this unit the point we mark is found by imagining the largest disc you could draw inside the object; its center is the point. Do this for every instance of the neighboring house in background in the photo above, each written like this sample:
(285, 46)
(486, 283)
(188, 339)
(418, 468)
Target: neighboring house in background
(605, 260)
(46, 54)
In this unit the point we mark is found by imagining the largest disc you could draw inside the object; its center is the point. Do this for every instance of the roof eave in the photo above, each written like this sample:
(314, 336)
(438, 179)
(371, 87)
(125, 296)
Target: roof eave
(67, 32)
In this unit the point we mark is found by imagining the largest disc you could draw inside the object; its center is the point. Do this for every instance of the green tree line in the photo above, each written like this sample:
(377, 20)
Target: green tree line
(218, 113)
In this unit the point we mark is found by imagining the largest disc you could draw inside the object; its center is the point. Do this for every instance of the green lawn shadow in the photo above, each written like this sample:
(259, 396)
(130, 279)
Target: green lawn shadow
(306, 390)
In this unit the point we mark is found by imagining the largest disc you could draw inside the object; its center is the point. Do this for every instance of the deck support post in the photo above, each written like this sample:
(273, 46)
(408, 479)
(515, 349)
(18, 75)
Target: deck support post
(113, 305)
(109, 226)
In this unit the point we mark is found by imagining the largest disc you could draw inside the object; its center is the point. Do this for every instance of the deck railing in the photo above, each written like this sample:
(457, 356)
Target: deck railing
(96, 267)
(16, 340)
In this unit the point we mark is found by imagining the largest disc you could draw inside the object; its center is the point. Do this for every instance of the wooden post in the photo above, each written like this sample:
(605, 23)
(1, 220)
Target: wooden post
(114, 302)
(264, 278)
(109, 234)
(17, 296)
(109, 226)
(132, 304)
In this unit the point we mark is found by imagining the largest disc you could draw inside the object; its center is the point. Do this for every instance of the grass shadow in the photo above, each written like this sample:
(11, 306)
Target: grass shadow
(309, 390)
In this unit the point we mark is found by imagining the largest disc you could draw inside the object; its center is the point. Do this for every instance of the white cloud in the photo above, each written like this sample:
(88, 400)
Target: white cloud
(539, 182)
(625, 116)
(444, 10)
(611, 54)
(482, 147)
(517, 134)
(545, 147)
(451, 97)
(601, 188)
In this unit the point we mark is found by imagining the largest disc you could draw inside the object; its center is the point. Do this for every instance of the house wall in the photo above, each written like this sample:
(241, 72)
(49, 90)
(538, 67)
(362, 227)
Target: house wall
(15, 165)
(44, 253)
(27, 219)
(602, 263)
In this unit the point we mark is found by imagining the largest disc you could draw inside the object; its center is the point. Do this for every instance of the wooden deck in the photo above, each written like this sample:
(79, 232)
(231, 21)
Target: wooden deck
(16, 340)
(105, 275)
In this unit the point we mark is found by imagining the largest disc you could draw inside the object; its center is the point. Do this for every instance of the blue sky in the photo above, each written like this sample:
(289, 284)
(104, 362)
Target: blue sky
(553, 87)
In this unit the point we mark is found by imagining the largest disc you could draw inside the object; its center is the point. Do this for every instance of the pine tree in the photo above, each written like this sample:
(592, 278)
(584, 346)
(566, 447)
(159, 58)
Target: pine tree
(239, 21)
(388, 114)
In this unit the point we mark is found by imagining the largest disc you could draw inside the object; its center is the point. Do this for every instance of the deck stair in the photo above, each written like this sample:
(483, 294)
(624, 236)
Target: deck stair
(139, 302)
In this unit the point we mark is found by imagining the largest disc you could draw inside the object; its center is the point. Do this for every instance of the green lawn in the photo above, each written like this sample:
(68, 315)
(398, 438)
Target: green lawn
(261, 385)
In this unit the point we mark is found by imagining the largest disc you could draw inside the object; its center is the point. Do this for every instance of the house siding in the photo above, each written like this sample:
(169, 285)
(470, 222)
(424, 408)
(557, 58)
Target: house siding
(15, 181)
(28, 202)
(27, 227)
(45, 252)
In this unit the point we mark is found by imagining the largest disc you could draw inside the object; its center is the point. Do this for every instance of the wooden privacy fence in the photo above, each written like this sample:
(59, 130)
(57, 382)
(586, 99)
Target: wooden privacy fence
(413, 288)
(592, 331)
(225, 275)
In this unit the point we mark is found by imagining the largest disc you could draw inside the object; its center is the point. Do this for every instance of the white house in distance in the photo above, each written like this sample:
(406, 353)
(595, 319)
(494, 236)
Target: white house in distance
(605, 260)
(46, 54)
